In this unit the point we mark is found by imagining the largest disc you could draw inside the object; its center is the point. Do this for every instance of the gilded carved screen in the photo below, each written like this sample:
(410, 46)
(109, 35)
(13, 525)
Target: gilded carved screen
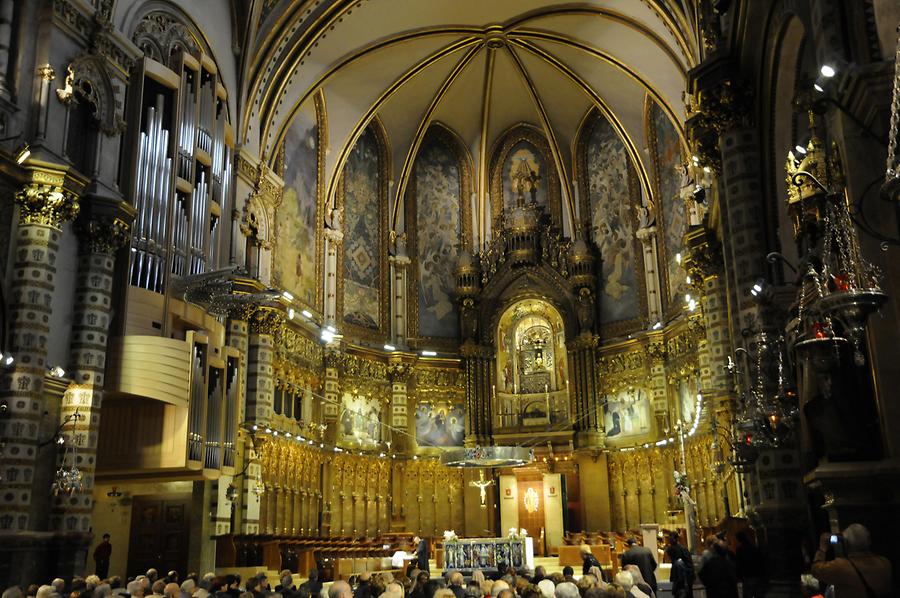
(295, 265)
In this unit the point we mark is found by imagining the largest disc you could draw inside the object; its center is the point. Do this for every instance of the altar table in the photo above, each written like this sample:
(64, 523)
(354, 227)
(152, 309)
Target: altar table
(487, 553)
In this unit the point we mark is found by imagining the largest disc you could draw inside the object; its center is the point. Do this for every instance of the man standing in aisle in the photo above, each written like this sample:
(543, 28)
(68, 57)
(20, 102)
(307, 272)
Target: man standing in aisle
(422, 554)
(640, 556)
(101, 557)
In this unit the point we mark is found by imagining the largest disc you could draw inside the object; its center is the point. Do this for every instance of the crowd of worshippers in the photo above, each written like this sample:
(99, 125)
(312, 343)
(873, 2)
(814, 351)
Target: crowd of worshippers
(843, 568)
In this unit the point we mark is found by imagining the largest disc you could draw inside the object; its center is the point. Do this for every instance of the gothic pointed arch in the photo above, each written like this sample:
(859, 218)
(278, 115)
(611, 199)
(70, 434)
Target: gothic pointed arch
(362, 294)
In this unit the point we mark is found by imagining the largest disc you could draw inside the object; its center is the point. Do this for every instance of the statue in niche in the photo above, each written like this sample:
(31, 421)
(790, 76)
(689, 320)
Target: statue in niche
(525, 177)
(336, 219)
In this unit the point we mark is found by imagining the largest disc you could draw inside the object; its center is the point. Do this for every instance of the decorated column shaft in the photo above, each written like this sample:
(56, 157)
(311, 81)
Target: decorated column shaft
(237, 335)
(43, 207)
(479, 364)
(99, 240)
(260, 371)
(586, 412)
(399, 416)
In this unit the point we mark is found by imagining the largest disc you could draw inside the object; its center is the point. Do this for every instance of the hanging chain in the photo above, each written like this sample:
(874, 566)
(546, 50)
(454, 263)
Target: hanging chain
(892, 170)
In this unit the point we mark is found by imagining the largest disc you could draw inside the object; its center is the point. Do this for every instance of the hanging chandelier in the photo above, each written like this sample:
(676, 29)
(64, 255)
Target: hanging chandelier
(68, 478)
(839, 289)
(891, 188)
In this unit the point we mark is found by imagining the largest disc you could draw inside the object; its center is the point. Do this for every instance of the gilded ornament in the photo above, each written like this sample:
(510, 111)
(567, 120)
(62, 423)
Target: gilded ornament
(103, 235)
(49, 205)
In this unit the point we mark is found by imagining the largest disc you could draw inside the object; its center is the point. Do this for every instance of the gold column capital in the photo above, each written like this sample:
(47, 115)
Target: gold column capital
(103, 235)
(46, 203)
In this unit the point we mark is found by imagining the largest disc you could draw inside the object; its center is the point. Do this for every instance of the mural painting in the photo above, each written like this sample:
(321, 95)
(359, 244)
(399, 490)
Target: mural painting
(362, 234)
(687, 398)
(672, 210)
(295, 258)
(612, 221)
(627, 413)
(438, 233)
(360, 421)
(440, 425)
(524, 176)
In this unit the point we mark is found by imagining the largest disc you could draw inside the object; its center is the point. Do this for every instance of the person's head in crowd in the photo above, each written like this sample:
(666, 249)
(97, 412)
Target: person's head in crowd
(152, 574)
(444, 593)
(135, 589)
(857, 538)
(547, 588)
(188, 586)
(46, 591)
(521, 584)
(172, 590)
(172, 576)
(497, 587)
(567, 589)
(101, 591)
(568, 572)
(13, 592)
(586, 582)
(595, 592)
(115, 582)
(557, 578)
(809, 586)
(91, 582)
(625, 580)
(395, 588)
(59, 585)
(158, 587)
(456, 579)
(507, 593)
(340, 589)
(539, 573)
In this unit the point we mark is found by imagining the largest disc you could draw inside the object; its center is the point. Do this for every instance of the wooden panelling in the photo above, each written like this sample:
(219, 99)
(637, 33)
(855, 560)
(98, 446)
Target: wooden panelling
(150, 366)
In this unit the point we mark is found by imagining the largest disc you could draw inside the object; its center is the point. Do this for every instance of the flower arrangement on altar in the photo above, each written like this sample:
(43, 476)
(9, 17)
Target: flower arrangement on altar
(450, 536)
(517, 534)
(682, 485)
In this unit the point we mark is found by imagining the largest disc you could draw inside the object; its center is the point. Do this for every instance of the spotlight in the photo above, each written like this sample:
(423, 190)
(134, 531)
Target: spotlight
(800, 149)
(57, 371)
(678, 258)
(22, 153)
(687, 280)
(306, 313)
(827, 71)
(114, 493)
(287, 295)
(390, 348)
(657, 326)
(762, 292)
(818, 87)
(7, 359)
(291, 313)
(327, 335)
(331, 329)
(429, 354)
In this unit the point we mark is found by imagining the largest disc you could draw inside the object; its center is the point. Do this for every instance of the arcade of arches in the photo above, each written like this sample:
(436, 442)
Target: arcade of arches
(267, 264)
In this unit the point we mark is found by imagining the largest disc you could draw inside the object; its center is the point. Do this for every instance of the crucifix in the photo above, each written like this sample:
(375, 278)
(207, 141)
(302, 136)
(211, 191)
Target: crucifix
(482, 485)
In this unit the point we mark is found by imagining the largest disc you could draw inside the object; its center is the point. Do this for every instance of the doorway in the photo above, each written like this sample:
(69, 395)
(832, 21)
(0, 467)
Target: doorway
(160, 531)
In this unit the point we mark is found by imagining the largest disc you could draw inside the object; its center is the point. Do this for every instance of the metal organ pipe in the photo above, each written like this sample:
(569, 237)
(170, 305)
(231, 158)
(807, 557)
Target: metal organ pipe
(152, 187)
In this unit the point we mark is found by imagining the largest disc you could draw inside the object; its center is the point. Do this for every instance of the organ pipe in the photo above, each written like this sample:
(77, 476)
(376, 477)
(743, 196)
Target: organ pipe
(198, 398)
(152, 190)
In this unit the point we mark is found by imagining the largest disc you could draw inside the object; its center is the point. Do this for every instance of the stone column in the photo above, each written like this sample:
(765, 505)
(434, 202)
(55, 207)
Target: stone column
(399, 266)
(42, 210)
(479, 363)
(99, 239)
(333, 239)
(586, 412)
(237, 334)
(399, 373)
(331, 407)
(260, 372)
(647, 236)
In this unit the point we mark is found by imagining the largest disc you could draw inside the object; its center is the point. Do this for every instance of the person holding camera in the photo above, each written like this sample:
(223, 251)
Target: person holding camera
(847, 563)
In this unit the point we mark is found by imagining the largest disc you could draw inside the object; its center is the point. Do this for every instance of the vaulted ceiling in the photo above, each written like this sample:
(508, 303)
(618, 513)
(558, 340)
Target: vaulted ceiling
(477, 66)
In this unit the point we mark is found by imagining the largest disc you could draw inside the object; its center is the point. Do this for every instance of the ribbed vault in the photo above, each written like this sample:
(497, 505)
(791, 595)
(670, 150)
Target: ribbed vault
(479, 68)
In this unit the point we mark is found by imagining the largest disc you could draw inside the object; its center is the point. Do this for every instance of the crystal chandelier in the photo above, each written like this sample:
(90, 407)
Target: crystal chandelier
(68, 478)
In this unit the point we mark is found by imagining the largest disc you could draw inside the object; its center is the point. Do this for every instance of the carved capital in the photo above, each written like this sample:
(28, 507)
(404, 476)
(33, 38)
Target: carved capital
(46, 72)
(103, 235)
(703, 257)
(266, 321)
(50, 205)
(241, 311)
(399, 372)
